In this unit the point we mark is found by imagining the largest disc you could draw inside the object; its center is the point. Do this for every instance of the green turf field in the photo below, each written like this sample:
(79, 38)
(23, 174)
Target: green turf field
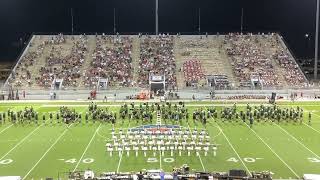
(32, 151)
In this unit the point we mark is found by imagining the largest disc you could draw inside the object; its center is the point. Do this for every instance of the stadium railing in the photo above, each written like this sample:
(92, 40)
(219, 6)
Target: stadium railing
(286, 46)
(18, 59)
(132, 93)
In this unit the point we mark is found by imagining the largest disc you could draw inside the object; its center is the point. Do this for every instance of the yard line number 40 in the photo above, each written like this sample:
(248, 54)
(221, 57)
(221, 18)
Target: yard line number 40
(246, 159)
(74, 160)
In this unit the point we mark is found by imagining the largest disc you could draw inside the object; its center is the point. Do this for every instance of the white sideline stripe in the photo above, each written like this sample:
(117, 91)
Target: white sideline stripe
(84, 152)
(298, 141)
(119, 163)
(199, 154)
(6, 128)
(234, 150)
(312, 128)
(46, 152)
(22, 140)
(273, 152)
(187, 105)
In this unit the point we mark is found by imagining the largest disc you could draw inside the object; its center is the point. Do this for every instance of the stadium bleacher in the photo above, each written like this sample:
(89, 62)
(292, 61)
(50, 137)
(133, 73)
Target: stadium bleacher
(80, 61)
(157, 58)
(111, 59)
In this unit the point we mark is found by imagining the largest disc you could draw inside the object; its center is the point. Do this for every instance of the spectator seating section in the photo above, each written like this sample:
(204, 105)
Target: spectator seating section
(128, 61)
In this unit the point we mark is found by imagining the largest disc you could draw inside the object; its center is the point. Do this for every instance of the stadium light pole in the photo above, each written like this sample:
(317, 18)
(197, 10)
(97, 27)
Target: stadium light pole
(114, 21)
(241, 20)
(199, 20)
(72, 21)
(157, 18)
(316, 44)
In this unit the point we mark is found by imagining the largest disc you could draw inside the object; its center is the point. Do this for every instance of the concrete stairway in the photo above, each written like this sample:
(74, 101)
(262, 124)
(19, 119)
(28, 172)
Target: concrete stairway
(179, 62)
(135, 54)
(214, 59)
(88, 58)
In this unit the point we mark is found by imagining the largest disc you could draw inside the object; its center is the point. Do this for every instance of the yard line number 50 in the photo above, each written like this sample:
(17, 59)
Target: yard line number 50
(155, 160)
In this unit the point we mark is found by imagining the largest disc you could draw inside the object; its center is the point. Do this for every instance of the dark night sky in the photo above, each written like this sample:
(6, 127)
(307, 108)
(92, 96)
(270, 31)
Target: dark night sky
(292, 18)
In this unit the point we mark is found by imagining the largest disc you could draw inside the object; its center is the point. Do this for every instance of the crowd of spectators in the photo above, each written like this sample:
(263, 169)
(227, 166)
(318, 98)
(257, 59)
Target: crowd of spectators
(22, 75)
(249, 58)
(157, 58)
(193, 72)
(113, 63)
(62, 67)
(58, 39)
(293, 74)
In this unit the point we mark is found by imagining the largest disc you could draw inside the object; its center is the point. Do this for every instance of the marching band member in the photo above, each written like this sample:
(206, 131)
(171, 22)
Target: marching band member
(127, 148)
(180, 148)
(136, 149)
(189, 148)
(214, 148)
(206, 149)
(110, 149)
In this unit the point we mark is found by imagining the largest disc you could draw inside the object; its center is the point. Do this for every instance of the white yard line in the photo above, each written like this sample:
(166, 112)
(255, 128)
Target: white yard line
(312, 128)
(46, 152)
(119, 163)
(201, 163)
(22, 140)
(315, 115)
(234, 150)
(84, 152)
(273, 152)
(199, 154)
(6, 128)
(298, 141)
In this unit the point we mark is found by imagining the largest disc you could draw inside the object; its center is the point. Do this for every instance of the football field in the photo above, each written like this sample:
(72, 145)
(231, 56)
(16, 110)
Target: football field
(51, 149)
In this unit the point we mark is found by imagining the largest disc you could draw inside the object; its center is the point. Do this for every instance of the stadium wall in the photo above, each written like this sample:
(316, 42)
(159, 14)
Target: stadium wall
(183, 95)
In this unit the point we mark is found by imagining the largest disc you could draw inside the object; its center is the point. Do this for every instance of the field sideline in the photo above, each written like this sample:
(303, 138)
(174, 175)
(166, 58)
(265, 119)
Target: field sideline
(32, 151)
